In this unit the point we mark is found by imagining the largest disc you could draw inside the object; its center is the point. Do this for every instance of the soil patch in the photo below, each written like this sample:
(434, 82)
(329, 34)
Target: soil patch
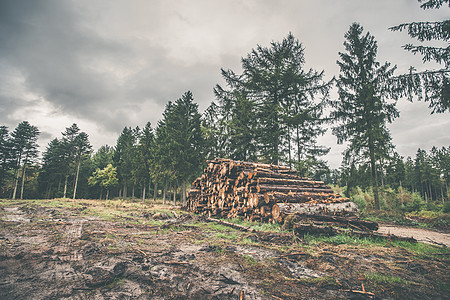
(121, 252)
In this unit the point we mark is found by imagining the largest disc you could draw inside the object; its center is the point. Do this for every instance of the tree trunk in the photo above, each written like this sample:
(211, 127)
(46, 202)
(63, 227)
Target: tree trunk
(164, 191)
(132, 193)
(342, 209)
(175, 193)
(76, 179)
(65, 186)
(16, 182)
(183, 191)
(298, 145)
(101, 193)
(49, 189)
(107, 194)
(125, 192)
(155, 192)
(143, 194)
(23, 181)
(374, 175)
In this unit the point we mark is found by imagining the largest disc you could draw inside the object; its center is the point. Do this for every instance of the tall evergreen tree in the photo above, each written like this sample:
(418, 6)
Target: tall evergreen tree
(76, 149)
(123, 158)
(145, 150)
(277, 95)
(5, 156)
(362, 110)
(180, 141)
(82, 149)
(24, 149)
(431, 85)
(215, 132)
(102, 157)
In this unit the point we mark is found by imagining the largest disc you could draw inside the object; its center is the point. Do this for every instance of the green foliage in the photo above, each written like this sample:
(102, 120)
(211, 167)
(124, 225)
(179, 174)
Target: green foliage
(431, 85)
(106, 178)
(385, 279)
(269, 110)
(446, 208)
(362, 112)
(359, 200)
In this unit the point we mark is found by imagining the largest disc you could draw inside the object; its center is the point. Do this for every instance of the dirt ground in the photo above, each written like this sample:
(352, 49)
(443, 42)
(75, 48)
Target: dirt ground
(422, 235)
(85, 249)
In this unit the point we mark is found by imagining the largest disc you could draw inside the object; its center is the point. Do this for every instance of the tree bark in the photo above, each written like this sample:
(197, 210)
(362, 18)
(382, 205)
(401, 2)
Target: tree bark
(374, 175)
(344, 209)
(23, 181)
(175, 193)
(155, 192)
(76, 178)
(143, 194)
(164, 191)
(65, 186)
(183, 192)
(289, 188)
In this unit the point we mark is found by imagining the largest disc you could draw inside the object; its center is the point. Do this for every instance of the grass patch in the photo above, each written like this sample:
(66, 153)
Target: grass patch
(383, 279)
(419, 249)
(342, 239)
(227, 236)
(250, 260)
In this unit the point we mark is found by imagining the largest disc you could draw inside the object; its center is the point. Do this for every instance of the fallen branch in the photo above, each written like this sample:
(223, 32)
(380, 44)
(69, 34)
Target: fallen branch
(236, 226)
(227, 280)
(174, 262)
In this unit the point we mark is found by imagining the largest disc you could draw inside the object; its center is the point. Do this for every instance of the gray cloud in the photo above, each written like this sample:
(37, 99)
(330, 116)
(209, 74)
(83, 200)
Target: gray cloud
(109, 64)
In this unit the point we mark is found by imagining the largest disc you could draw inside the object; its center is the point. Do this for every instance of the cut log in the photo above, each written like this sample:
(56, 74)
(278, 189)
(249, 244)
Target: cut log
(348, 222)
(262, 188)
(285, 181)
(302, 197)
(341, 209)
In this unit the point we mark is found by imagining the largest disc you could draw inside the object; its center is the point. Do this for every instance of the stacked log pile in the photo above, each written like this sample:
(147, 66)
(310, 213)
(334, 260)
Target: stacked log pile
(262, 192)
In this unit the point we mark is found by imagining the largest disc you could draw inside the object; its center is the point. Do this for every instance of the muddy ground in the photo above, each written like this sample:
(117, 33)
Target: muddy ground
(85, 249)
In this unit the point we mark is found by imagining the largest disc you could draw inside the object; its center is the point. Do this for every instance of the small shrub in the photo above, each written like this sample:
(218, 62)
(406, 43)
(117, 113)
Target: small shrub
(416, 203)
(360, 201)
(446, 208)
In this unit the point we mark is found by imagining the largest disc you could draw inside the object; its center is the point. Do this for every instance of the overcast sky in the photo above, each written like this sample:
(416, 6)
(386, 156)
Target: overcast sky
(108, 64)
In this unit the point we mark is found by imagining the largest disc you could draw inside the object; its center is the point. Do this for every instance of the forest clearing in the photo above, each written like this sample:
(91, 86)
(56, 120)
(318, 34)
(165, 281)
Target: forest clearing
(115, 249)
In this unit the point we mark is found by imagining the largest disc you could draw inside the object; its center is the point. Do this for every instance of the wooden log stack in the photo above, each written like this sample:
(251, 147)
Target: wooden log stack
(262, 192)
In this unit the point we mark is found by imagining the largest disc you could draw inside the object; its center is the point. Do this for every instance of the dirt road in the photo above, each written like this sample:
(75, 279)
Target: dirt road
(421, 235)
(86, 249)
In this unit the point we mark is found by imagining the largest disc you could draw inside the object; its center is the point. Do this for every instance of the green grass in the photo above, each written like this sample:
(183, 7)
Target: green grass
(250, 260)
(256, 225)
(227, 236)
(419, 249)
(383, 279)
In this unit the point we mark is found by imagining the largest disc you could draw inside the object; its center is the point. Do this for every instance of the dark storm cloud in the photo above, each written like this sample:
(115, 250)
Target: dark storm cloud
(63, 60)
(110, 64)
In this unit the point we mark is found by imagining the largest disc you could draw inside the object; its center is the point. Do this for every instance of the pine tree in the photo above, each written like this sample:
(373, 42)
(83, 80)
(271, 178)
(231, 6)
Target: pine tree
(5, 156)
(123, 158)
(24, 150)
(277, 95)
(179, 142)
(214, 131)
(145, 150)
(102, 157)
(431, 85)
(361, 110)
(77, 148)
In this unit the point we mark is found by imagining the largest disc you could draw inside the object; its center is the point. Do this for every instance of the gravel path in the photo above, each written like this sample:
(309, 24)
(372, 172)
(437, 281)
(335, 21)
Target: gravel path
(422, 235)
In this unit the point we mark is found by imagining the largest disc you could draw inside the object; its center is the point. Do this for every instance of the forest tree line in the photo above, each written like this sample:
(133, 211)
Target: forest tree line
(272, 112)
